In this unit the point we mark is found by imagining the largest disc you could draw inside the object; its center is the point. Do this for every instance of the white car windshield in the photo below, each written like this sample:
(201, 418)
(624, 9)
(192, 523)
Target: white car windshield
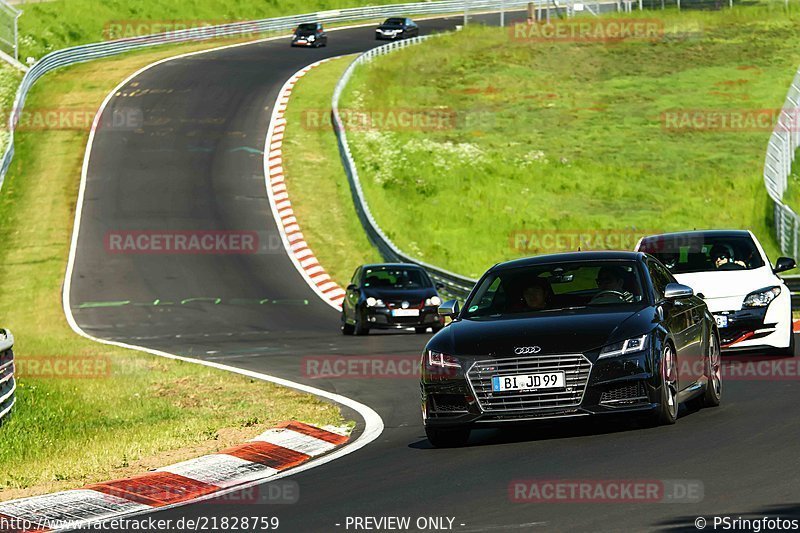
(690, 252)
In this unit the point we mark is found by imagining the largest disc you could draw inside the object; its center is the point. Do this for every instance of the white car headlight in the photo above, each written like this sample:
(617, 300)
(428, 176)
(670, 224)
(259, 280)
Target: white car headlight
(311, 38)
(433, 300)
(636, 344)
(373, 302)
(761, 297)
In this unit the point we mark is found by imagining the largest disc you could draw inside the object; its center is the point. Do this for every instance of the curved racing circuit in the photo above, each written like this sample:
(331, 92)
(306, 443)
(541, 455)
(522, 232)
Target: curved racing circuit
(197, 164)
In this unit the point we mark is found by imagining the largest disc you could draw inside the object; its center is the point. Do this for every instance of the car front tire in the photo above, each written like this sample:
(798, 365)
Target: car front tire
(360, 329)
(447, 438)
(713, 393)
(667, 412)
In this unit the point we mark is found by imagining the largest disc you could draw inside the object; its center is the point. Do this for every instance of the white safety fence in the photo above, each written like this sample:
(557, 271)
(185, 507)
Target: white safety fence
(781, 148)
(8, 385)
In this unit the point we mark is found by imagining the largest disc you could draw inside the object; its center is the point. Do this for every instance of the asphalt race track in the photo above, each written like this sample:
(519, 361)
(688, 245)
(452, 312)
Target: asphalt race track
(197, 166)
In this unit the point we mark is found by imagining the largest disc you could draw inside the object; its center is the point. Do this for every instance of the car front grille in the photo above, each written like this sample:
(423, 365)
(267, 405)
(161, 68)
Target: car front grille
(575, 367)
(622, 394)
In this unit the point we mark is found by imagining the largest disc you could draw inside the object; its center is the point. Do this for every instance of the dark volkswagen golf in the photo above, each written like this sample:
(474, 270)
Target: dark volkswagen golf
(569, 335)
(390, 296)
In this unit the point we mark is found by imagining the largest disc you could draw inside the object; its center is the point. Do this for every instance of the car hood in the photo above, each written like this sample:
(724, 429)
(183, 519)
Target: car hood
(729, 283)
(390, 27)
(391, 295)
(304, 33)
(574, 331)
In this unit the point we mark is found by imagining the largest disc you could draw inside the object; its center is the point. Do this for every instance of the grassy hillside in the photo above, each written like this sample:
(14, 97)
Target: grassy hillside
(558, 139)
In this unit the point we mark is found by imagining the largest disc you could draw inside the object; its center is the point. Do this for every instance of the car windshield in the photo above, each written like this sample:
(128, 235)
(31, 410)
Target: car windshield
(394, 22)
(698, 252)
(395, 278)
(307, 27)
(552, 287)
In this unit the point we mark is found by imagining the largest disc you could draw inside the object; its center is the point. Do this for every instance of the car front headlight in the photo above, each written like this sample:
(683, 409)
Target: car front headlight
(761, 297)
(311, 38)
(440, 360)
(373, 302)
(433, 300)
(635, 344)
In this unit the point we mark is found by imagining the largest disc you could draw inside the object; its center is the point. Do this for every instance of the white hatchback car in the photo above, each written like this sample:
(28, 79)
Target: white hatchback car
(731, 272)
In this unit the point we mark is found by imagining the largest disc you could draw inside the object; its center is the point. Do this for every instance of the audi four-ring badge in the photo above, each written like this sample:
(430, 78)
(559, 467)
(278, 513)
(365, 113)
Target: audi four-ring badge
(569, 335)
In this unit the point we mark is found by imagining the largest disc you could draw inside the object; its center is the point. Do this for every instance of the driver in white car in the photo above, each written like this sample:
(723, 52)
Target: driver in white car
(721, 256)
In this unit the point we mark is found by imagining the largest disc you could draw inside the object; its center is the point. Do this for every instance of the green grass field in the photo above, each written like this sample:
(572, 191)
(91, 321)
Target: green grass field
(557, 139)
(145, 412)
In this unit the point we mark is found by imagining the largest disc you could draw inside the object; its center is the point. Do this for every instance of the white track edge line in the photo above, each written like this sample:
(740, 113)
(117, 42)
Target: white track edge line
(373, 424)
(293, 79)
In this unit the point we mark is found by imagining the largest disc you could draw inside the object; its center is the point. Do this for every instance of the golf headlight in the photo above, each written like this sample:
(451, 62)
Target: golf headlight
(441, 360)
(636, 344)
(761, 297)
(433, 300)
(372, 302)
(311, 38)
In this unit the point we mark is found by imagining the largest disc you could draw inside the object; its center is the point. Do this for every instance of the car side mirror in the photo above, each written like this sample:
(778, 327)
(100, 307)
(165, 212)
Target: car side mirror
(783, 264)
(439, 286)
(676, 291)
(352, 287)
(449, 308)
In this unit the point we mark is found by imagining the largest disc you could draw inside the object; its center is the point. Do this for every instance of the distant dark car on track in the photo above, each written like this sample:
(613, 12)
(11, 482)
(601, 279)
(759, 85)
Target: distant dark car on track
(390, 296)
(569, 335)
(396, 28)
(311, 34)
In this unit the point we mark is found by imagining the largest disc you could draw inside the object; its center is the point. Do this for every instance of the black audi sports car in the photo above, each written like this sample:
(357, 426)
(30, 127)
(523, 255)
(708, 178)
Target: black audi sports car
(390, 296)
(569, 335)
(310, 34)
(396, 28)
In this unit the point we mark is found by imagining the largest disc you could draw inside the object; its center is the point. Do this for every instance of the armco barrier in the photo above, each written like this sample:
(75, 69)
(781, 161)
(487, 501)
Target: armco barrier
(455, 285)
(458, 286)
(781, 148)
(79, 54)
(8, 385)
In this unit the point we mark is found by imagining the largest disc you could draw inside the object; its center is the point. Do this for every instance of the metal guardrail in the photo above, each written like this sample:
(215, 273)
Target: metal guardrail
(458, 286)
(793, 284)
(781, 148)
(88, 52)
(455, 285)
(8, 384)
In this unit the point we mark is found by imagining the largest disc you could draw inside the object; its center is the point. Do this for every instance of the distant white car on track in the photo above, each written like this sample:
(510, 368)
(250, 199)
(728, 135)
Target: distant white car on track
(731, 272)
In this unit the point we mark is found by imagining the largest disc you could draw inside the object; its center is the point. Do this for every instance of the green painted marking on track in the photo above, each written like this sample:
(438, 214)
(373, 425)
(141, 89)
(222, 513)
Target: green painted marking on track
(247, 149)
(90, 305)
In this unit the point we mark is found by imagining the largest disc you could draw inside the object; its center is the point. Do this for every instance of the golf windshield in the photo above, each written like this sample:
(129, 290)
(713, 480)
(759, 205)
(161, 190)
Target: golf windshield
(396, 278)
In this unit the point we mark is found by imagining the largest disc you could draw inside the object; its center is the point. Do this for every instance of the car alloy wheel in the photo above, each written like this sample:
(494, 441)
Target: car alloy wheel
(713, 391)
(668, 410)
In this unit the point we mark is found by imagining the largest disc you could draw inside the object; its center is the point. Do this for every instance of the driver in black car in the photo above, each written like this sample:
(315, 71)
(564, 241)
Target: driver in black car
(611, 282)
